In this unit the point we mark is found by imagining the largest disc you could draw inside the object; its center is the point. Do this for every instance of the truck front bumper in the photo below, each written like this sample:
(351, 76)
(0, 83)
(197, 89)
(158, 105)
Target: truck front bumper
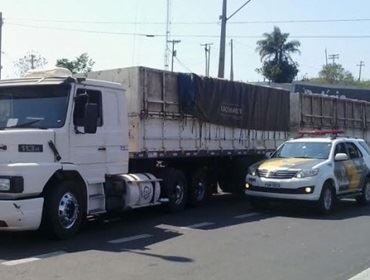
(21, 215)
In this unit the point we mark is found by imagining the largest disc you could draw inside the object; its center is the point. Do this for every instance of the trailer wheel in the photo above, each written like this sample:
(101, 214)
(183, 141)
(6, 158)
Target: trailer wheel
(63, 213)
(199, 189)
(175, 187)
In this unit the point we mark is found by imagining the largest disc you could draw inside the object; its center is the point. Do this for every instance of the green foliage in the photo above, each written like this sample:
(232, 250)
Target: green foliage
(283, 72)
(335, 74)
(81, 64)
(275, 51)
(24, 64)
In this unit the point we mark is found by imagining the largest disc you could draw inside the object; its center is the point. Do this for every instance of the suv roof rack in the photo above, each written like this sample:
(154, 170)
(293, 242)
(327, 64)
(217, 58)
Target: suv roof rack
(332, 133)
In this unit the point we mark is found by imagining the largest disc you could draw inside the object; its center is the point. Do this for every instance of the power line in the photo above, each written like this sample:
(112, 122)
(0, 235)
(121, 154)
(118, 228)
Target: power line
(191, 22)
(185, 35)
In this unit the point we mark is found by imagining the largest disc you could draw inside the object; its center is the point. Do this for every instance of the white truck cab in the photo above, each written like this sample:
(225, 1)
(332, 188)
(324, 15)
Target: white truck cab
(46, 125)
(318, 169)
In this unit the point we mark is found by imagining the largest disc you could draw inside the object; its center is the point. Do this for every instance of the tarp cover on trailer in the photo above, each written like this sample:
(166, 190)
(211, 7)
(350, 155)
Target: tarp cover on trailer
(234, 104)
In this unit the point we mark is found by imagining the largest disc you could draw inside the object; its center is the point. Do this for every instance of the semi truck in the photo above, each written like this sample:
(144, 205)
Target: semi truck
(76, 147)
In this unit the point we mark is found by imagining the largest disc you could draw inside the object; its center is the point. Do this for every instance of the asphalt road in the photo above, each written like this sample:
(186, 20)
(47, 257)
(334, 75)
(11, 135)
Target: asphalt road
(225, 239)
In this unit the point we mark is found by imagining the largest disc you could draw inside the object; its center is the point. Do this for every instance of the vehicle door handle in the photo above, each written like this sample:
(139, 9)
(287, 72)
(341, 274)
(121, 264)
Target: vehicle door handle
(102, 148)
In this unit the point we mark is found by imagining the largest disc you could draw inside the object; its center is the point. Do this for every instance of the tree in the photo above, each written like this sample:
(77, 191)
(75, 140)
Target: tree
(32, 60)
(275, 51)
(335, 74)
(82, 64)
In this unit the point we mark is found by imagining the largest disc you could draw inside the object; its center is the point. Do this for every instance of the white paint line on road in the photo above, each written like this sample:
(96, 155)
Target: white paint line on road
(33, 259)
(249, 215)
(129, 239)
(200, 225)
(364, 275)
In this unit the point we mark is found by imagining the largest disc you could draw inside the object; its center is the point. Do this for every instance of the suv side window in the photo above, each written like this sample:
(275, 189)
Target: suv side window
(353, 151)
(92, 96)
(341, 149)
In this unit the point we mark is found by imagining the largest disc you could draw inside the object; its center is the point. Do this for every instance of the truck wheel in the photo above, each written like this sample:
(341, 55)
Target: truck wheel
(327, 199)
(63, 213)
(364, 199)
(175, 187)
(198, 189)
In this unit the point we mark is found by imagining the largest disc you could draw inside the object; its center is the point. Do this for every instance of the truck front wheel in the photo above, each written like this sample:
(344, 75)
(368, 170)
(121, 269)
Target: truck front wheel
(63, 213)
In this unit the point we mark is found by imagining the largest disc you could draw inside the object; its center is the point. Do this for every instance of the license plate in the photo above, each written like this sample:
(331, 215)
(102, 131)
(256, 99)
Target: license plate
(272, 185)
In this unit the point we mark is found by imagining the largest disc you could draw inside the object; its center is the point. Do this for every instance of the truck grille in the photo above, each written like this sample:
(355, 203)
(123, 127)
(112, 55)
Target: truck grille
(278, 174)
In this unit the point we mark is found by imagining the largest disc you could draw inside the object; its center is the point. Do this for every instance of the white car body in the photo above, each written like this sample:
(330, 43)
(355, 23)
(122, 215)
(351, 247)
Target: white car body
(295, 188)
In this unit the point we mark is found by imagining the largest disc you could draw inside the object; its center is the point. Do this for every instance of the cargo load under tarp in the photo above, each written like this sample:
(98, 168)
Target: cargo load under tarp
(234, 104)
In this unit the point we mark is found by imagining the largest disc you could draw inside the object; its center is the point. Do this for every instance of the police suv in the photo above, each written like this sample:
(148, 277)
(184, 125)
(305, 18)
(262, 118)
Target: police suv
(317, 169)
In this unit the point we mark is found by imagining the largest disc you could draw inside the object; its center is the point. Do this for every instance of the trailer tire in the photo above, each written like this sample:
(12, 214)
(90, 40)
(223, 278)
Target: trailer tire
(199, 189)
(175, 186)
(63, 213)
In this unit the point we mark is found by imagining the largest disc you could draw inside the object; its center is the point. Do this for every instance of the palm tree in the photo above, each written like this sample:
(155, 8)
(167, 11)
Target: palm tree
(276, 48)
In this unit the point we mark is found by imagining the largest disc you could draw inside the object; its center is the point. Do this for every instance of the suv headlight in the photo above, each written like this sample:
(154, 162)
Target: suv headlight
(252, 170)
(4, 185)
(307, 173)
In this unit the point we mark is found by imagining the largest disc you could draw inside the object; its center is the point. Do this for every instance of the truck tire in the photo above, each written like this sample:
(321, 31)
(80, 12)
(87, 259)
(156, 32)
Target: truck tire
(63, 213)
(175, 187)
(327, 199)
(199, 189)
(364, 198)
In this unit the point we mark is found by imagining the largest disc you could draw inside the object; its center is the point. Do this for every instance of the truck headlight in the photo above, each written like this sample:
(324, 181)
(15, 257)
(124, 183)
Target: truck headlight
(307, 173)
(11, 184)
(4, 185)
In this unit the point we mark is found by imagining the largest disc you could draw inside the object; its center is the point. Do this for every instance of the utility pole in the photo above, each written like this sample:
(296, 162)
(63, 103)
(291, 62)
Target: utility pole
(207, 52)
(362, 64)
(232, 61)
(168, 32)
(174, 52)
(221, 63)
(334, 57)
(326, 57)
(224, 18)
(1, 50)
(32, 60)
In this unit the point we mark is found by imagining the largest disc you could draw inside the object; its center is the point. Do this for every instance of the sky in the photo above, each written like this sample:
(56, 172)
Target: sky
(109, 31)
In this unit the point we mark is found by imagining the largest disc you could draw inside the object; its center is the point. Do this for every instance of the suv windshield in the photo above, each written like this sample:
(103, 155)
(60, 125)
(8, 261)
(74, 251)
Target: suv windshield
(41, 106)
(313, 150)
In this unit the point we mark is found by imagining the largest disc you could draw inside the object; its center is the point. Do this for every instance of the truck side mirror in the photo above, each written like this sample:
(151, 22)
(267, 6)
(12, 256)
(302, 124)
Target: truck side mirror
(91, 118)
(341, 157)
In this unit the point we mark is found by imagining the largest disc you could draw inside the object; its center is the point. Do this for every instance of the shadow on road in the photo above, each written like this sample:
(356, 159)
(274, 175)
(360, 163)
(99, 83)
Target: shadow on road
(221, 212)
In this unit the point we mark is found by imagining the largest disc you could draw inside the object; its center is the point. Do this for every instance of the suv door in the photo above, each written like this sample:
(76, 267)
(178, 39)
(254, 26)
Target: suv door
(356, 168)
(340, 168)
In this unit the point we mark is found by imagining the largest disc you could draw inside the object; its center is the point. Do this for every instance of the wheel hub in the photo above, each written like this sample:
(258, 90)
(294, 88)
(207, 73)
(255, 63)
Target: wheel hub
(68, 210)
(179, 194)
(328, 199)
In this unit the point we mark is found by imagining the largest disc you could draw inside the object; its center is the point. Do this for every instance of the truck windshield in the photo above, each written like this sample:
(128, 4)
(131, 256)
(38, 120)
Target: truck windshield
(314, 150)
(41, 106)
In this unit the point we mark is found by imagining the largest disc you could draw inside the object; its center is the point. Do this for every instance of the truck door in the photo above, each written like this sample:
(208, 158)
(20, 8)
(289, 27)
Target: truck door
(88, 151)
(355, 167)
